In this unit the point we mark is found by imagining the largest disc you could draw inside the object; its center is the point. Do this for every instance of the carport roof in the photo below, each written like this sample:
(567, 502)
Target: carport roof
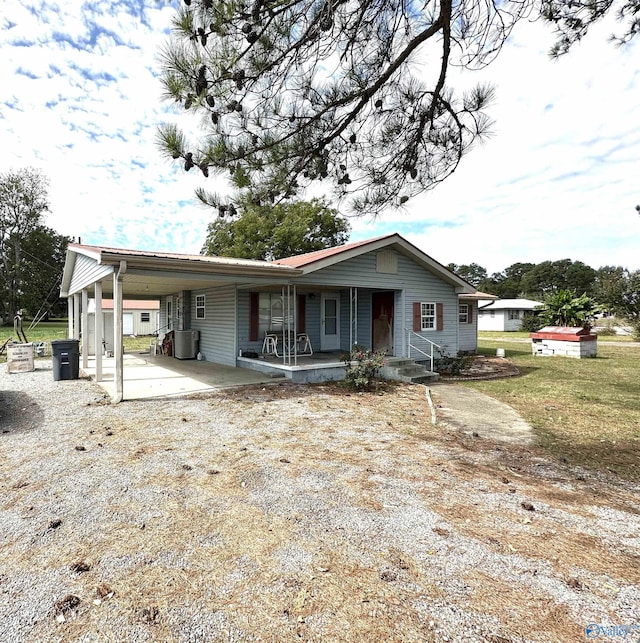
(149, 274)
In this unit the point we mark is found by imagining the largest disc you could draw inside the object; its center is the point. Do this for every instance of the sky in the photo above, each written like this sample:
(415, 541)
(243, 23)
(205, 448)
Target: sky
(80, 100)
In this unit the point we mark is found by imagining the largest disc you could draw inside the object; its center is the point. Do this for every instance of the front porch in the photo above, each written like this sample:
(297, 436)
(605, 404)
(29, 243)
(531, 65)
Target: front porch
(304, 369)
(327, 367)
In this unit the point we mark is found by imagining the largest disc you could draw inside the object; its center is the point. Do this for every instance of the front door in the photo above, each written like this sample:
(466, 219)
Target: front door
(330, 321)
(382, 321)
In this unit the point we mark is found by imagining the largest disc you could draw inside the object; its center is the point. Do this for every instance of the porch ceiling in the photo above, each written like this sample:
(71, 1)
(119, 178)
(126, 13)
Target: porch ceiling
(148, 284)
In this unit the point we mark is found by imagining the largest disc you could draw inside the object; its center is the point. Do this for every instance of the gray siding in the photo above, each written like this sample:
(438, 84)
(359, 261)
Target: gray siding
(162, 319)
(86, 272)
(218, 329)
(468, 333)
(417, 283)
(312, 314)
(312, 322)
(364, 318)
(244, 298)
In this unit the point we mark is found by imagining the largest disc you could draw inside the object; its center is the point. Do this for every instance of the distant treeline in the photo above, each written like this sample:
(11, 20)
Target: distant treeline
(613, 287)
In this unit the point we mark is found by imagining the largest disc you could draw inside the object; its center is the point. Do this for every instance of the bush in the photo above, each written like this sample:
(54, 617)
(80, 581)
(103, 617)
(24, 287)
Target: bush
(531, 323)
(362, 374)
(606, 330)
(448, 365)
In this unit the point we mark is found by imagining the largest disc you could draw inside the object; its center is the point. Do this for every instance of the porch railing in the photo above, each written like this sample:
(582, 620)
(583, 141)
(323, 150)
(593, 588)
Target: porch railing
(422, 345)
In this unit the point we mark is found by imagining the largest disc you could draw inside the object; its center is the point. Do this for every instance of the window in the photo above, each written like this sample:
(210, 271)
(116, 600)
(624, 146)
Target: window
(463, 314)
(427, 315)
(514, 314)
(271, 313)
(169, 313)
(200, 306)
(493, 314)
(145, 317)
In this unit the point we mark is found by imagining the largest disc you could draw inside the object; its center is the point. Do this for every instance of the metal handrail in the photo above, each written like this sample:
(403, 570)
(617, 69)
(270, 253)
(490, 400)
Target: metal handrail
(431, 346)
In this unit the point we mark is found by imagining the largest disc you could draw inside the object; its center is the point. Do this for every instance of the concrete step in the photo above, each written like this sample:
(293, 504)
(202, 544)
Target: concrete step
(414, 369)
(397, 361)
(406, 370)
(429, 376)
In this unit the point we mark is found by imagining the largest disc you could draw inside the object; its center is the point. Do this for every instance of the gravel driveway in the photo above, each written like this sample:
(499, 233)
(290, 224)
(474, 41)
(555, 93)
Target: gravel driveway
(290, 513)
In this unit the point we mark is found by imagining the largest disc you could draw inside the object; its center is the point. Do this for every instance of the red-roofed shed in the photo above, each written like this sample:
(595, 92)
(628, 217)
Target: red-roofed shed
(567, 341)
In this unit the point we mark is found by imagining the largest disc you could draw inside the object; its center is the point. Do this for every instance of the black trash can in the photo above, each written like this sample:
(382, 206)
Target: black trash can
(66, 359)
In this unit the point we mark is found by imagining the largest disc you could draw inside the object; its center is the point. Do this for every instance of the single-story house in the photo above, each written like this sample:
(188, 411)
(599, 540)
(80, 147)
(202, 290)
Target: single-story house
(382, 293)
(139, 317)
(504, 314)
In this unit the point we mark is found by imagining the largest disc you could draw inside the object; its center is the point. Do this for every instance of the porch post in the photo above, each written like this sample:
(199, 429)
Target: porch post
(70, 316)
(99, 331)
(76, 316)
(117, 332)
(284, 343)
(85, 328)
(295, 325)
(353, 317)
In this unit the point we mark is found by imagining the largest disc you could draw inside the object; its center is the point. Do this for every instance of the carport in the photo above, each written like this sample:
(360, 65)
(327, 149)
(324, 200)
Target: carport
(148, 377)
(116, 273)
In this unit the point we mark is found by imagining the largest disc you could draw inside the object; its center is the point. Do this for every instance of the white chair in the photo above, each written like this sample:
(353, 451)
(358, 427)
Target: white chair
(270, 344)
(304, 344)
(156, 345)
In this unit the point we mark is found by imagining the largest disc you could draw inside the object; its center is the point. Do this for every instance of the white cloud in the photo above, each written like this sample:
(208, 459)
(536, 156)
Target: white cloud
(558, 179)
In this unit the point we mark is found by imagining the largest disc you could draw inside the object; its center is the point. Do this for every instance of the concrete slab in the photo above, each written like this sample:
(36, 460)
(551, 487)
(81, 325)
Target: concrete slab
(471, 411)
(146, 376)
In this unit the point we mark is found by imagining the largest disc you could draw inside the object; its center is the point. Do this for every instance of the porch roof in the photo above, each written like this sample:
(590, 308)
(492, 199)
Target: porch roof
(150, 274)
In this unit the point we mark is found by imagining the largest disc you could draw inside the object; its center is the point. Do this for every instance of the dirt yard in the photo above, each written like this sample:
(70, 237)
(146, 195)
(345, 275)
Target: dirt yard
(291, 513)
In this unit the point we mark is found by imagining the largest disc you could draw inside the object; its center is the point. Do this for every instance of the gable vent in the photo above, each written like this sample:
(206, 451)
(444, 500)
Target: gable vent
(387, 262)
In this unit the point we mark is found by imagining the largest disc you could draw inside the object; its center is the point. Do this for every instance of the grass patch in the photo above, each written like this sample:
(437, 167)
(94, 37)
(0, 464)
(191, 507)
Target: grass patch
(59, 329)
(43, 332)
(586, 411)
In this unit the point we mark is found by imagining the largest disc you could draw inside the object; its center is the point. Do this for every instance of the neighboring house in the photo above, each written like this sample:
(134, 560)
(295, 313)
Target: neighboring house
(382, 293)
(139, 317)
(504, 314)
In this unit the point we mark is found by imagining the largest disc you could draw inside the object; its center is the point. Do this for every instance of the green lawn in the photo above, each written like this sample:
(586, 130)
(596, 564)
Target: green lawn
(59, 329)
(43, 332)
(587, 411)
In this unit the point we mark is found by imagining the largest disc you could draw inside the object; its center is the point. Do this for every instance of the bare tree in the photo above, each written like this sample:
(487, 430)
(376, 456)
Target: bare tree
(23, 202)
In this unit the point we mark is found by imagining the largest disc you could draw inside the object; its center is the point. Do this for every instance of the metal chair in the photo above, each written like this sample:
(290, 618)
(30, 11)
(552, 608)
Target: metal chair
(270, 344)
(304, 344)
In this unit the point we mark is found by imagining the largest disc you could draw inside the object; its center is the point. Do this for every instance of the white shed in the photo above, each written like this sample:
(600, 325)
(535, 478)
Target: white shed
(504, 314)
(139, 317)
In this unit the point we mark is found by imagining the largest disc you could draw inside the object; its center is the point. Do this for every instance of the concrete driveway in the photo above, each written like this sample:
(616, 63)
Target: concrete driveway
(147, 377)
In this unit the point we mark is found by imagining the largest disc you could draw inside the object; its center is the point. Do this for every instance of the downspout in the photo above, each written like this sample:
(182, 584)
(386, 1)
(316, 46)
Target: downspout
(457, 325)
(117, 332)
(99, 330)
(76, 316)
(84, 329)
(70, 316)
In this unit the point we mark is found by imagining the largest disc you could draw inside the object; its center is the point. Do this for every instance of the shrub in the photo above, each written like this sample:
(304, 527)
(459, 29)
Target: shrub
(607, 329)
(362, 366)
(531, 323)
(565, 308)
(448, 365)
